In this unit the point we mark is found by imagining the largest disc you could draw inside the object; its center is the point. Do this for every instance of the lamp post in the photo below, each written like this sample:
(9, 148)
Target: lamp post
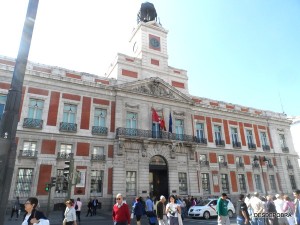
(10, 118)
(260, 159)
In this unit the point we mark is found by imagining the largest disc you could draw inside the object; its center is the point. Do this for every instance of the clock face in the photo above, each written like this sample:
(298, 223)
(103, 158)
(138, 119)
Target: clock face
(154, 43)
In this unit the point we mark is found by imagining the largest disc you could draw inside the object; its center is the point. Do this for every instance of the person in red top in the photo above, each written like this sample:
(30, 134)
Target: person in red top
(120, 213)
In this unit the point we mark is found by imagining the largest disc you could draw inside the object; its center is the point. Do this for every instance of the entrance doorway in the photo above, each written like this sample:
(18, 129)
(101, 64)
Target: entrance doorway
(158, 177)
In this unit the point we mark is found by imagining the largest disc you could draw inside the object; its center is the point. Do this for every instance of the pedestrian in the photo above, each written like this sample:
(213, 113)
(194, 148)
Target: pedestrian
(222, 210)
(271, 210)
(279, 208)
(257, 207)
(90, 208)
(242, 214)
(161, 211)
(289, 208)
(172, 210)
(32, 215)
(95, 205)
(138, 210)
(78, 205)
(70, 214)
(297, 206)
(149, 206)
(15, 208)
(120, 212)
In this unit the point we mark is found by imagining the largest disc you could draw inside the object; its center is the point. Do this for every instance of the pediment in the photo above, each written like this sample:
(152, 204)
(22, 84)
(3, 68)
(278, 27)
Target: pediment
(156, 87)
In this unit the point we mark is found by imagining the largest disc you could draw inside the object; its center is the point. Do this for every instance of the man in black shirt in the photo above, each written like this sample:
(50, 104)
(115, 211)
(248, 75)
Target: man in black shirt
(242, 215)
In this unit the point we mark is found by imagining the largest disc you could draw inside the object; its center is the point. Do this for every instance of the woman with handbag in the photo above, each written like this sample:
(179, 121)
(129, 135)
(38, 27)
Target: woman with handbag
(70, 214)
(33, 216)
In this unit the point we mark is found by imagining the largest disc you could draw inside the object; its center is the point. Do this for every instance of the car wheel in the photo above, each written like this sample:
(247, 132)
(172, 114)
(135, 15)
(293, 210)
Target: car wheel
(230, 213)
(206, 215)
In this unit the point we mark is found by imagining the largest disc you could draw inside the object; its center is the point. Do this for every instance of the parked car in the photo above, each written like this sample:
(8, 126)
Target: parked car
(207, 208)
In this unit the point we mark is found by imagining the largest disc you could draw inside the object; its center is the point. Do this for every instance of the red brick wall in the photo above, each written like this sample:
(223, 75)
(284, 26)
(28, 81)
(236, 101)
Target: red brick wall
(270, 139)
(177, 84)
(83, 149)
(233, 122)
(53, 108)
(110, 152)
(216, 120)
(250, 181)
(41, 69)
(6, 62)
(209, 130)
(230, 158)
(256, 136)
(71, 97)
(129, 73)
(48, 147)
(75, 76)
(113, 117)
(44, 177)
(155, 62)
(100, 101)
(38, 91)
(102, 81)
(247, 159)
(226, 130)
(85, 113)
(213, 157)
(242, 132)
(233, 181)
(5, 86)
(196, 117)
(109, 180)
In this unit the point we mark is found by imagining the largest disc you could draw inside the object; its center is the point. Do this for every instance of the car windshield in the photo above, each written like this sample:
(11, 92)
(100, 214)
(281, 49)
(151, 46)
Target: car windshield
(203, 202)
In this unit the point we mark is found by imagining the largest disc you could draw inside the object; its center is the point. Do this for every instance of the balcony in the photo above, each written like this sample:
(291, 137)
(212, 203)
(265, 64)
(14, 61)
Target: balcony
(97, 130)
(200, 140)
(220, 143)
(285, 149)
(223, 164)
(270, 166)
(138, 133)
(290, 167)
(64, 155)
(266, 147)
(28, 154)
(251, 146)
(236, 144)
(204, 163)
(255, 165)
(33, 123)
(97, 157)
(68, 127)
(240, 165)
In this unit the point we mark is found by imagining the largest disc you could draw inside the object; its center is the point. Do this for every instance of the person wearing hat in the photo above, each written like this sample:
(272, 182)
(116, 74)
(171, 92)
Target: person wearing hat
(222, 210)
(161, 211)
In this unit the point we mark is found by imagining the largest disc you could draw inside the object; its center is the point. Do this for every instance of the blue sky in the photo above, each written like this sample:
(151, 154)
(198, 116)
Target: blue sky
(241, 52)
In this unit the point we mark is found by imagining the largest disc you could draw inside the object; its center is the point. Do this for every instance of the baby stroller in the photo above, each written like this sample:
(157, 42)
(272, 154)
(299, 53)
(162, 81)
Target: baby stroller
(152, 218)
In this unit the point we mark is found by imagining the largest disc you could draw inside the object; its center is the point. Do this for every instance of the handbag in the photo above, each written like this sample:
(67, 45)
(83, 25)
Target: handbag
(64, 221)
(132, 216)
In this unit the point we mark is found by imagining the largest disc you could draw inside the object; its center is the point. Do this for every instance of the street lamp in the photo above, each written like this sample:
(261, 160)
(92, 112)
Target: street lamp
(260, 160)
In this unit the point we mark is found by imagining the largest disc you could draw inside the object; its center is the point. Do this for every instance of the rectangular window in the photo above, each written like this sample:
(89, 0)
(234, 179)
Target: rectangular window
(97, 177)
(182, 179)
(263, 137)
(179, 129)
(282, 141)
(293, 182)
(258, 182)
(62, 183)
(225, 184)
(35, 109)
(131, 120)
(202, 158)
(64, 151)
(221, 158)
(69, 115)
(23, 183)
(100, 117)
(29, 148)
(234, 135)
(249, 137)
(242, 183)
(200, 131)
(2, 104)
(218, 133)
(131, 183)
(273, 182)
(205, 183)
(98, 153)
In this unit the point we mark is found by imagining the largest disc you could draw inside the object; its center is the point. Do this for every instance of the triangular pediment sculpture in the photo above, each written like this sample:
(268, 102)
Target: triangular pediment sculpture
(157, 87)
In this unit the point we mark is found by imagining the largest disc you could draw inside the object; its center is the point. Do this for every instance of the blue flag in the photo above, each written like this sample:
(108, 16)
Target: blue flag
(170, 123)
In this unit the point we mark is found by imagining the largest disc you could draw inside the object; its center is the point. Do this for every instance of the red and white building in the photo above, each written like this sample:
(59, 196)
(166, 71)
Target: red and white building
(106, 123)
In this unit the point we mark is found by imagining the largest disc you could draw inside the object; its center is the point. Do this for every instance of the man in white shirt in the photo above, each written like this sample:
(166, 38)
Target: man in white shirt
(279, 208)
(257, 207)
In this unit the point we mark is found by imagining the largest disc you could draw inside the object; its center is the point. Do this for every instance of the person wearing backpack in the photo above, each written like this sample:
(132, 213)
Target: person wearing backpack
(78, 205)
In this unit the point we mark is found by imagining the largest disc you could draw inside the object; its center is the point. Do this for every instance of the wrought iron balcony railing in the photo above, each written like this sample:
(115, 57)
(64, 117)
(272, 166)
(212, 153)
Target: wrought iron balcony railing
(64, 155)
(251, 146)
(266, 147)
(236, 144)
(285, 149)
(131, 132)
(204, 163)
(255, 165)
(97, 130)
(28, 154)
(222, 164)
(241, 165)
(98, 157)
(68, 127)
(220, 143)
(33, 123)
(270, 166)
(200, 140)
(290, 167)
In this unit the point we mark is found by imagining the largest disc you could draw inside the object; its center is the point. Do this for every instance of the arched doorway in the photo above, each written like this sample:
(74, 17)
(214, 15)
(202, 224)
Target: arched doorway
(158, 177)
